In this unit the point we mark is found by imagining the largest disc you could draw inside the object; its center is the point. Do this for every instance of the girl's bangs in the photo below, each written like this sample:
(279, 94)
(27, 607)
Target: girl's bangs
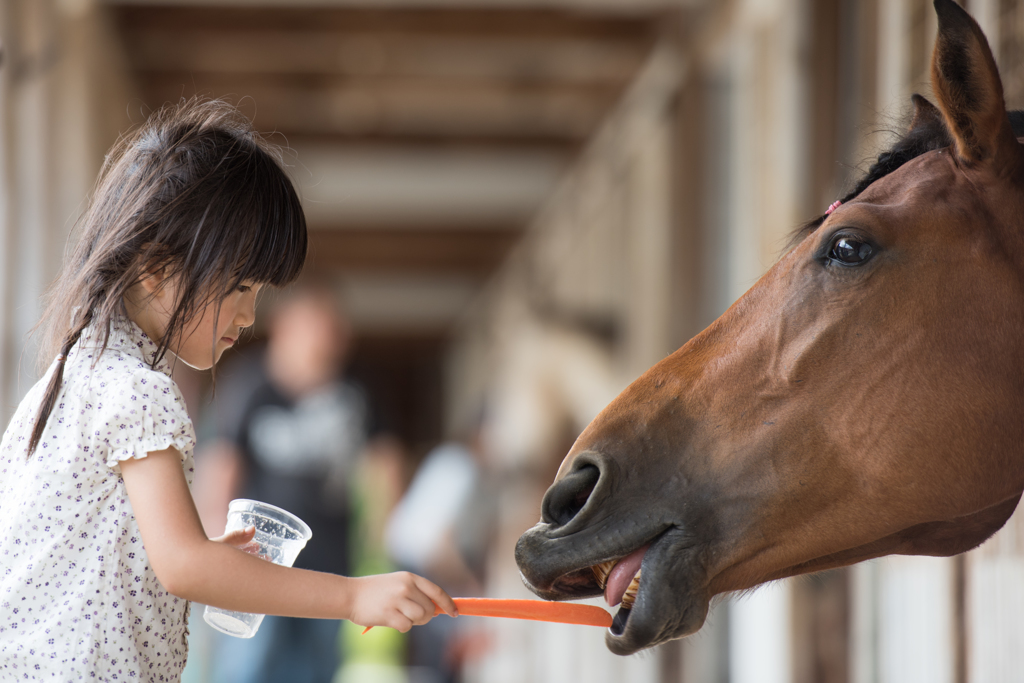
(271, 233)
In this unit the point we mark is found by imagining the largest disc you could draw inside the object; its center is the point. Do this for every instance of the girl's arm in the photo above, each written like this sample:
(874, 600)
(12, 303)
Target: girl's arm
(193, 567)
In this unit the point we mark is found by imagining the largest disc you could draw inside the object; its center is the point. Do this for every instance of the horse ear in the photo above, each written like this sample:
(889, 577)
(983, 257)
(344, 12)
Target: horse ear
(970, 94)
(926, 115)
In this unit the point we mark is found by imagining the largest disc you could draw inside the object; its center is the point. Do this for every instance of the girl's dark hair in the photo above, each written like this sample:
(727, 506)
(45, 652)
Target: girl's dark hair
(194, 190)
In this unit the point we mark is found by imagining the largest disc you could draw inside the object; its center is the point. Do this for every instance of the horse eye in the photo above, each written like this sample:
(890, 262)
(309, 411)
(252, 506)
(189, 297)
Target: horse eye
(851, 252)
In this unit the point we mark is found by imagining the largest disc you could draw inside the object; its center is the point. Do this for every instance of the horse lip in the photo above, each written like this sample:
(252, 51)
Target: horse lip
(622, 640)
(670, 577)
(547, 571)
(546, 574)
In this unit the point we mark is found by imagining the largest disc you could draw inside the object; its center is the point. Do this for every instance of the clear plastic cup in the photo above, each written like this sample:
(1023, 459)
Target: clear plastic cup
(280, 536)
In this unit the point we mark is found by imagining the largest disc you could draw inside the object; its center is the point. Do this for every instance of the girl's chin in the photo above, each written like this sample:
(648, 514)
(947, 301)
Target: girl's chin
(204, 364)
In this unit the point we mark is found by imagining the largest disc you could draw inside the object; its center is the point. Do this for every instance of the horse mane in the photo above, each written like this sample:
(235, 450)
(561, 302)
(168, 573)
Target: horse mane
(915, 142)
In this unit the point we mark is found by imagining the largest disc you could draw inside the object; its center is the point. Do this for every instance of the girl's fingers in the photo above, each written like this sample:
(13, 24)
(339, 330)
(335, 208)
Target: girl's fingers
(410, 591)
(438, 596)
(417, 612)
(238, 537)
(415, 601)
(401, 621)
(416, 605)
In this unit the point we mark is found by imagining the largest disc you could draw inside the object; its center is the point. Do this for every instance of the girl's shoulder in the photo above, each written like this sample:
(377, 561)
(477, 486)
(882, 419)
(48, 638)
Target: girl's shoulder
(116, 400)
(122, 359)
(112, 372)
(120, 402)
(106, 403)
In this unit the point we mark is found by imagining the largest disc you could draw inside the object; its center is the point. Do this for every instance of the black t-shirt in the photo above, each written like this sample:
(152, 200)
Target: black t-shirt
(299, 456)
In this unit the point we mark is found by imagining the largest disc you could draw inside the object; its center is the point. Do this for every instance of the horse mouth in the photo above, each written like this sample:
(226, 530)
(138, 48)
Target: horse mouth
(667, 599)
(618, 580)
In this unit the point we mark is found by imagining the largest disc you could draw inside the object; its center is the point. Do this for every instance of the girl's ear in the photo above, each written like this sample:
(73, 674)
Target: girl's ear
(153, 280)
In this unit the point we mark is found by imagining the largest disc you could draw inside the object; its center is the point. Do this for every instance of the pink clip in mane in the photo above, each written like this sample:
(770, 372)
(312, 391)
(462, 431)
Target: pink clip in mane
(835, 205)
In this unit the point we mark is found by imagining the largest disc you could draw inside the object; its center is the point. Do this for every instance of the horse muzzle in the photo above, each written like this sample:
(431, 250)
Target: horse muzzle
(587, 531)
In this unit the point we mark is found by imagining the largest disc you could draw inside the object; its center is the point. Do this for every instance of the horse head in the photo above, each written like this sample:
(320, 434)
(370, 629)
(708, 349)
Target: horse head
(863, 398)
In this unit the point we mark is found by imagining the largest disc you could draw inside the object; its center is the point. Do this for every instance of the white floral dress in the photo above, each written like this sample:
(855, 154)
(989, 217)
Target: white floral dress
(78, 599)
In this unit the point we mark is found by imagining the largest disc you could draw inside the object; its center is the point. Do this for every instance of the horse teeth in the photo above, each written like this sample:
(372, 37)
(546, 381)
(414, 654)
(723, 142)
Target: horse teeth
(629, 597)
(602, 571)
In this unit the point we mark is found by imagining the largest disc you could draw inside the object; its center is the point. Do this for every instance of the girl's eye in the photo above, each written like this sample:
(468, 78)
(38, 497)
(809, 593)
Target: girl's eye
(849, 251)
(243, 288)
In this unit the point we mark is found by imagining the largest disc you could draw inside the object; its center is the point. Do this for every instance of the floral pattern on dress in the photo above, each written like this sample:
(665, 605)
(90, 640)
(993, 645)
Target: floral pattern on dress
(78, 599)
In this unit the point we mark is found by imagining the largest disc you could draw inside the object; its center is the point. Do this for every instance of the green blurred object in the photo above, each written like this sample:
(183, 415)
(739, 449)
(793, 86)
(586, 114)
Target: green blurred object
(378, 656)
(379, 646)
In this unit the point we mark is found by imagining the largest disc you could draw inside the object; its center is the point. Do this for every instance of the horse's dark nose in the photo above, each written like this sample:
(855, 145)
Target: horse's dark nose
(567, 497)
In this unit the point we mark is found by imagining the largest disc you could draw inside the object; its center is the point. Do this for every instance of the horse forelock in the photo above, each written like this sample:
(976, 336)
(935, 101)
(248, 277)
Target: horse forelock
(911, 145)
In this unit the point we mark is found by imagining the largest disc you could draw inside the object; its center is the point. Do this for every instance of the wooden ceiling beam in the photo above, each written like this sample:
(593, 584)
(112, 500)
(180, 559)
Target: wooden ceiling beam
(518, 59)
(451, 141)
(392, 107)
(474, 253)
(491, 23)
(543, 76)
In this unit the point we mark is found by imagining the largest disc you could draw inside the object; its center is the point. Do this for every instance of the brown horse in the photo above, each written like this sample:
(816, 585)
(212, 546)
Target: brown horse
(865, 397)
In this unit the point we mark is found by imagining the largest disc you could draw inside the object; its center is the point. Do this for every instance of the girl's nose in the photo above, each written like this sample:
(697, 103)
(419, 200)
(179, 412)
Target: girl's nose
(246, 315)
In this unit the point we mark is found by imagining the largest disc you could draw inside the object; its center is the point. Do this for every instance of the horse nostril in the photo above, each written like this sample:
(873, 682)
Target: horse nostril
(566, 498)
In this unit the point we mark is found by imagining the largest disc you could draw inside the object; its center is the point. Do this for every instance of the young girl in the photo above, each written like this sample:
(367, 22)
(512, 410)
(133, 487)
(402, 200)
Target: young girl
(101, 547)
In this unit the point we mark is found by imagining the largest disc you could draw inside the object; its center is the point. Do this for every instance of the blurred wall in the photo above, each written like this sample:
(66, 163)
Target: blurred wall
(64, 97)
(580, 306)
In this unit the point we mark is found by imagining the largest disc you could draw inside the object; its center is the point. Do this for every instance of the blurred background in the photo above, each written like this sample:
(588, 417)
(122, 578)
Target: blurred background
(515, 207)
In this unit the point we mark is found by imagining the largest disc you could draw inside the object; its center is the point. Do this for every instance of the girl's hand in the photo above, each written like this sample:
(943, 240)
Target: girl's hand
(241, 539)
(400, 600)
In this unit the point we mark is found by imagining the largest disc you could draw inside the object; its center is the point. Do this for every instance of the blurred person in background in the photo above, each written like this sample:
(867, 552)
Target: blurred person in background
(288, 429)
(444, 537)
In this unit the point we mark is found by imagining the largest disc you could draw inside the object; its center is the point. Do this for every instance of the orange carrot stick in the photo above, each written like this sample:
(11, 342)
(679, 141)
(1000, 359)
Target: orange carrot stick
(534, 610)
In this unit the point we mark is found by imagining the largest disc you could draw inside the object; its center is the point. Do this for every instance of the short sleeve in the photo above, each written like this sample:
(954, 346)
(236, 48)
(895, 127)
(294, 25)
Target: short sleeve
(144, 413)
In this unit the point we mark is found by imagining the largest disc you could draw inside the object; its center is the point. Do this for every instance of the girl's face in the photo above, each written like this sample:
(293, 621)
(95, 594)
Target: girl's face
(206, 338)
(211, 332)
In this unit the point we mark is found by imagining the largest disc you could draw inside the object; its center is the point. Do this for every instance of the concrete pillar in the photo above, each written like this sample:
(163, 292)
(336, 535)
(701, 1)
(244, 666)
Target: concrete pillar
(995, 603)
(650, 249)
(760, 643)
(864, 623)
(32, 52)
(915, 620)
(893, 56)
(986, 13)
(63, 97)
(7, 195)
